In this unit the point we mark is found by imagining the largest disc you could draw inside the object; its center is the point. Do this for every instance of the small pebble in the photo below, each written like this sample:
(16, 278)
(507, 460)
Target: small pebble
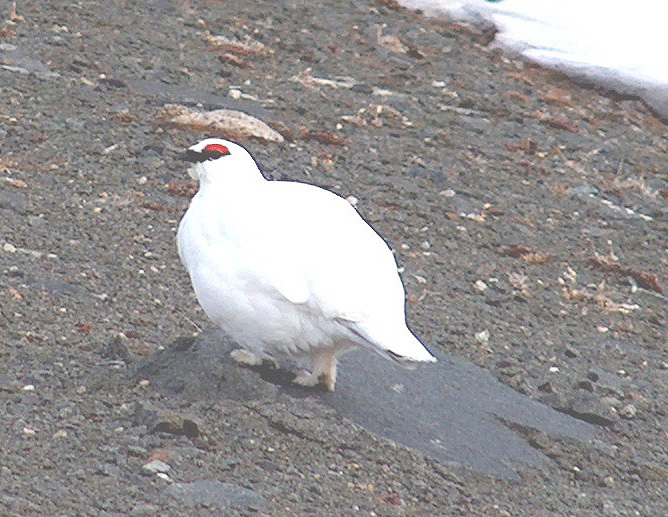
(482, 336)
(571, 352)
(155, 466)
(480, 286)
(629, 411)
(14, 271)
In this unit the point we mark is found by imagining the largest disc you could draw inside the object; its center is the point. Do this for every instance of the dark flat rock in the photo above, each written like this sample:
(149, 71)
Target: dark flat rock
(452, 411)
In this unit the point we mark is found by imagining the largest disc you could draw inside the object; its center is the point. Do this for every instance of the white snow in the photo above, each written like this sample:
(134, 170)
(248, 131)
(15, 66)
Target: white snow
(621, 44)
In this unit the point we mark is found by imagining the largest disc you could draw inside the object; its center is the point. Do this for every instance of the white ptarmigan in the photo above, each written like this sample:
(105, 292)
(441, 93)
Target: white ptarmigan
(289, 269)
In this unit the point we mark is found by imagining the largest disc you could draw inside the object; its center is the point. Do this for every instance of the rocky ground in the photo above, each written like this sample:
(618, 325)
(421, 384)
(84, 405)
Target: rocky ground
(529, 214)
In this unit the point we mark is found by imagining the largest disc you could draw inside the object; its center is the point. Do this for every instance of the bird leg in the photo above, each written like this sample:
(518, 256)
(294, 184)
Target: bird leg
(323, 370)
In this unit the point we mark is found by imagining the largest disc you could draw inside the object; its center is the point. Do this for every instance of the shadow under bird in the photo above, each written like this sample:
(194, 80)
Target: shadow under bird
(288, 269)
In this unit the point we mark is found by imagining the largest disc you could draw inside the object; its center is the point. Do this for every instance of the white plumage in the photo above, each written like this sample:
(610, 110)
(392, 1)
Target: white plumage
(287, 268)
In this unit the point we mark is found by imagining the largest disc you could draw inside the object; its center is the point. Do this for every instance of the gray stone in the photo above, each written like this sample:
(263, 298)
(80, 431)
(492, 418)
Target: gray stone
(583, 191)
(608, 383)
(145, 509)
(629, 411)
(215, 494)
(589, 408)
(153, 467)
(109, 469)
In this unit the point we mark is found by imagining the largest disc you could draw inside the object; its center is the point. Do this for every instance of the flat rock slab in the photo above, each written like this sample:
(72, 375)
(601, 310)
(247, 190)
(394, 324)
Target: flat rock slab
(211, 493)
(452, 411)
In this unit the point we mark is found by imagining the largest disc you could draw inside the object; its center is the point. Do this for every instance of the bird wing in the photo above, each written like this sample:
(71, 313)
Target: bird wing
(349, 271)
(249, 249)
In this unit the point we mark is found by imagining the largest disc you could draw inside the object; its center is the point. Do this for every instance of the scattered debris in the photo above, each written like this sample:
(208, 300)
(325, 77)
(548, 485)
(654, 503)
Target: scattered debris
(174, 424)
(245, 48)
(377, 115)
(230, 59)
(559, 96)
(152, 205)
(600, 297)
(176, 188)
(526, 145)
(321, 136)
(518, 281)
(389, 41)
(306, 79)
(609, 265)
(284, 130)
(528, 255)
(14, 16)
(113, 83)
(10, 248)
(15, 182)
(557, 123)
(391, 4)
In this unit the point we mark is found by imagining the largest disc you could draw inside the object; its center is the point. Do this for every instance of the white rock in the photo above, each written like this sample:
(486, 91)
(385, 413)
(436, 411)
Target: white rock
(480, 286)
(629, 411)
(232, 123)
(482, 336)
(154, 467)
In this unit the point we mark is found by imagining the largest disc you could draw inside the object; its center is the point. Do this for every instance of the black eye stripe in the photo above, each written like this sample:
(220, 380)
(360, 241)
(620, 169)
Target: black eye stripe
(195, 157)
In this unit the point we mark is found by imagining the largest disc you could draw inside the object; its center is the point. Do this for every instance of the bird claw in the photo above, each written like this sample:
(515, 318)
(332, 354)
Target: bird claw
(307, 379)
(246, 357)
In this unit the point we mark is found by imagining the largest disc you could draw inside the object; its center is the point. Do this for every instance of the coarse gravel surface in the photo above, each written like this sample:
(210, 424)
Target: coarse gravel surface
(529, 215)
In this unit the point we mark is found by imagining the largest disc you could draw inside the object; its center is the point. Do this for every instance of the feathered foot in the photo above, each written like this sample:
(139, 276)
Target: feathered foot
(323, 371)
(246, 357)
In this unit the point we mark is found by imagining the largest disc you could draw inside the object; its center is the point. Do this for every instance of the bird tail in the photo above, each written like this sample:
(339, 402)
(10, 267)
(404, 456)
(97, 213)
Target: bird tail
(398, 344)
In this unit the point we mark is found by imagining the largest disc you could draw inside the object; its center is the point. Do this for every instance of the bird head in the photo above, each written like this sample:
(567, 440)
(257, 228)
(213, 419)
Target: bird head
(217, 161)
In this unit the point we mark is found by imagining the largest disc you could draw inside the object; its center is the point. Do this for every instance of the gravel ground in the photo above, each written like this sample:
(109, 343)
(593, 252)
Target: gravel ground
(530, 215)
